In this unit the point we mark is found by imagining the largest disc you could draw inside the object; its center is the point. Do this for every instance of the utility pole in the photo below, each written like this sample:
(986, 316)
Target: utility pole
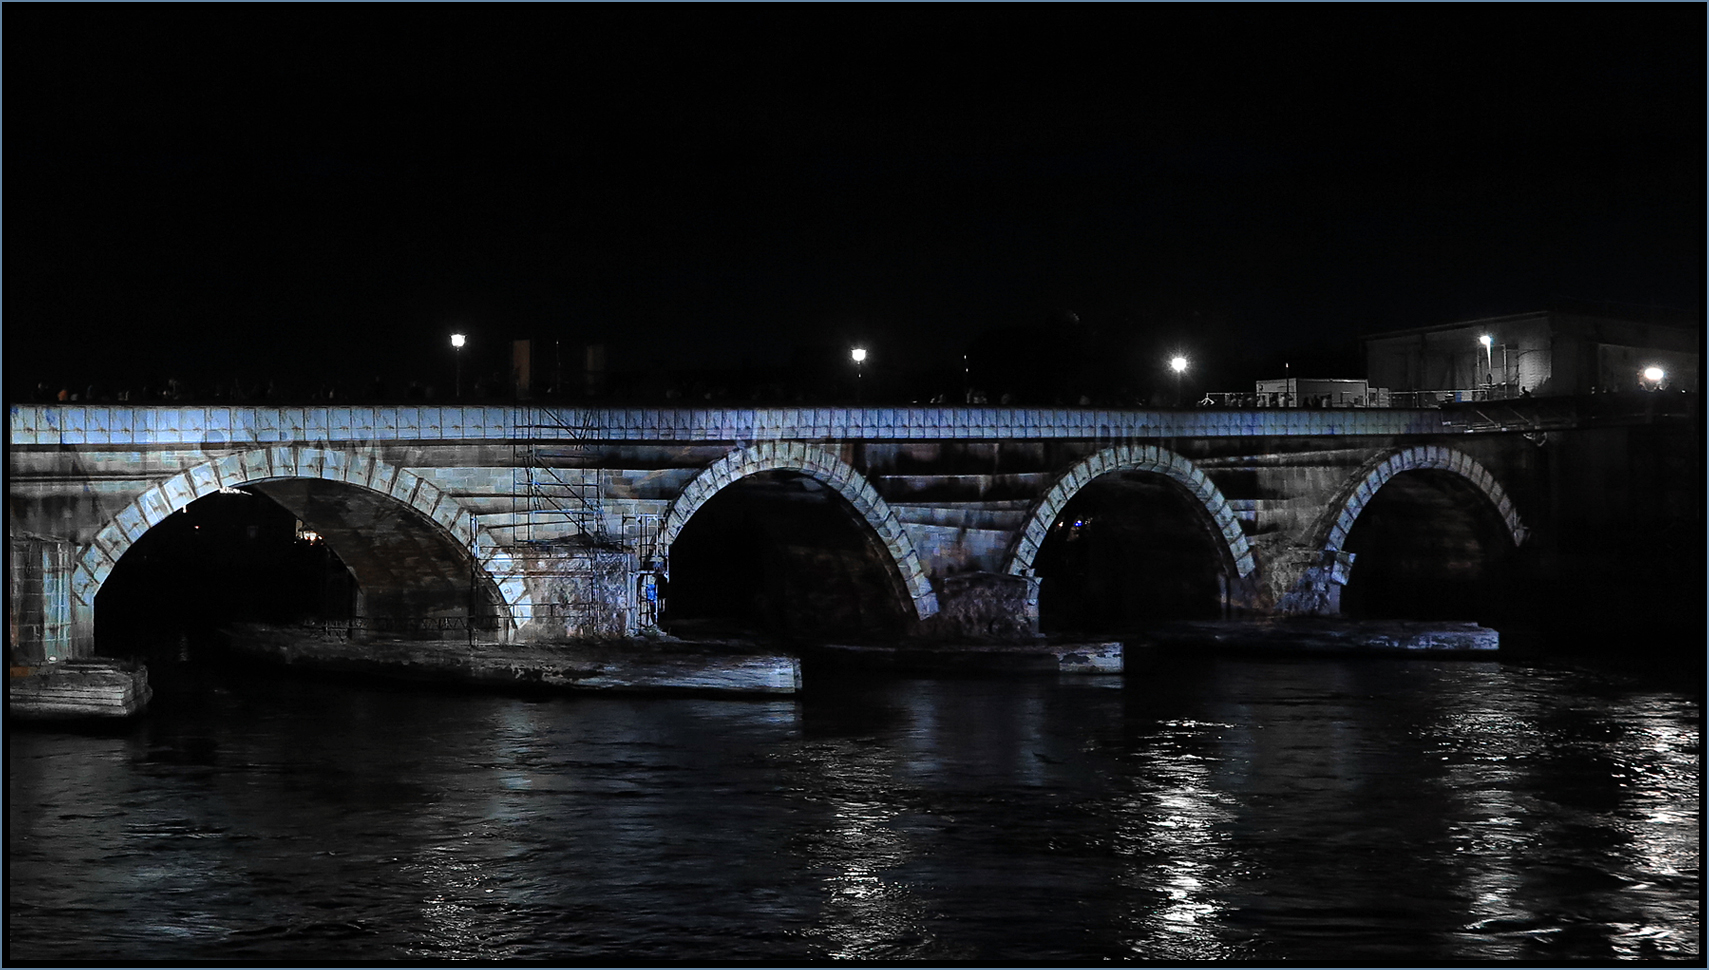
(469, 621)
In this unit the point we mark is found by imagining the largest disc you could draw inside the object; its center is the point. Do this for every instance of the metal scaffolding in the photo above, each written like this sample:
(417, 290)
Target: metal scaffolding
(556, 526)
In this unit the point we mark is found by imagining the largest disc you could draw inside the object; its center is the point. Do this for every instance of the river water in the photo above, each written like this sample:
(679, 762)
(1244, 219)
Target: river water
(1322, 811)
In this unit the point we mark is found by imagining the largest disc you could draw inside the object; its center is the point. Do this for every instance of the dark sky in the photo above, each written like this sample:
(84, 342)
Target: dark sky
(247, 188)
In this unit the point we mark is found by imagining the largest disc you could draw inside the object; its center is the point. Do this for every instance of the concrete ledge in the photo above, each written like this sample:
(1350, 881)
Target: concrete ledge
(1327, 635)
(971, 658)
(628, 665)
(78, 689)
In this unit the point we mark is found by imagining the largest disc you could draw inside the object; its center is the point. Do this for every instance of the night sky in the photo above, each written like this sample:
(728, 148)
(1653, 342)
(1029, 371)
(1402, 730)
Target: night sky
(241, 191)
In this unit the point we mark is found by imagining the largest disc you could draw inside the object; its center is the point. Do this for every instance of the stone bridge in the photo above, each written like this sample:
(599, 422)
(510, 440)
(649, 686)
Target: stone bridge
(542, 523)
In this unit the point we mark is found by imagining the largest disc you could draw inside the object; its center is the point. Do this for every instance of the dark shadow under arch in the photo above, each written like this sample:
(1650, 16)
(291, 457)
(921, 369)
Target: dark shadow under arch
(237, 556)
(781, 554)
(1428, 545)
(1130, 549)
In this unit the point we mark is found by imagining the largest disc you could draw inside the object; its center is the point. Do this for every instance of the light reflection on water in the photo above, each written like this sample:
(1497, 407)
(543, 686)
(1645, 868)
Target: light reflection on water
(1168, 833)
(1227, 810)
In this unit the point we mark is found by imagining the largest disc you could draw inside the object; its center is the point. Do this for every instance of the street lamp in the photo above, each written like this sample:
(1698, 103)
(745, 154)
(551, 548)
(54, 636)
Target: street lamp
(858, 354)
(457, 341)
(1178, 364)
(1653, 376)
(1489, 364)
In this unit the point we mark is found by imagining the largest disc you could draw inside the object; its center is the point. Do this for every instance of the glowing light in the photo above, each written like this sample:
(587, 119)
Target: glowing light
(858, 354)
(1487, 341)
(1654, 374)
(1178, 364)
(457, 340)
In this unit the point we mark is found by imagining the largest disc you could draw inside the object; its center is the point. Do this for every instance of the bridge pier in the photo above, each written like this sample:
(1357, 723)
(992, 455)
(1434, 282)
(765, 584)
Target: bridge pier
(578, 592)
(1307, 582)
(48, 623)
(984, 605)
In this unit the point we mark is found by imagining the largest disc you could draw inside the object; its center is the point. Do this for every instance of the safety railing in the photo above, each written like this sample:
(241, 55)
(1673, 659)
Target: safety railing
(350, 626)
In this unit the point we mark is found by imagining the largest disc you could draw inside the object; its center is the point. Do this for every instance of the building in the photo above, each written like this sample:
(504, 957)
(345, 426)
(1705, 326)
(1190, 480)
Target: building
(1545, 353)
(1319, 392)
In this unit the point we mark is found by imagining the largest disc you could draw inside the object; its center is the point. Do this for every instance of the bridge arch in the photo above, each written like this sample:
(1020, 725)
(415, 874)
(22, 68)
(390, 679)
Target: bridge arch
(823, 465)
(1331, 532)
(1024, 550)
(287, 463)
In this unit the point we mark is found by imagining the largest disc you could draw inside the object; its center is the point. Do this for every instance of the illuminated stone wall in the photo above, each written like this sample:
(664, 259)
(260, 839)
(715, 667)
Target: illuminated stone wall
(423, 503)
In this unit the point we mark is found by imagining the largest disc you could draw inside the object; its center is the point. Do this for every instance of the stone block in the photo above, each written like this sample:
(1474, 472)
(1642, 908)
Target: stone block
(267, 424)
(111, 540)
(85, 584)
(448, 514)
(356, 469)
(254, 465)
(403, 486)
(21, 427)
(862, 500)
(363, 424)
(180, 490)
(283, 461)
(1037, 530)
(131, 522)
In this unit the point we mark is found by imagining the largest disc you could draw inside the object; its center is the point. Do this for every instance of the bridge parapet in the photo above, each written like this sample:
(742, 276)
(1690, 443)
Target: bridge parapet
(241, 425)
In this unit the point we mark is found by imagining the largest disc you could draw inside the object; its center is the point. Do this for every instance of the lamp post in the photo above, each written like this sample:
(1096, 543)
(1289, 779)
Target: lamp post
(457, 344)
(1178, 364)
(1653, 376)
(1489, 364)
(858, 355)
